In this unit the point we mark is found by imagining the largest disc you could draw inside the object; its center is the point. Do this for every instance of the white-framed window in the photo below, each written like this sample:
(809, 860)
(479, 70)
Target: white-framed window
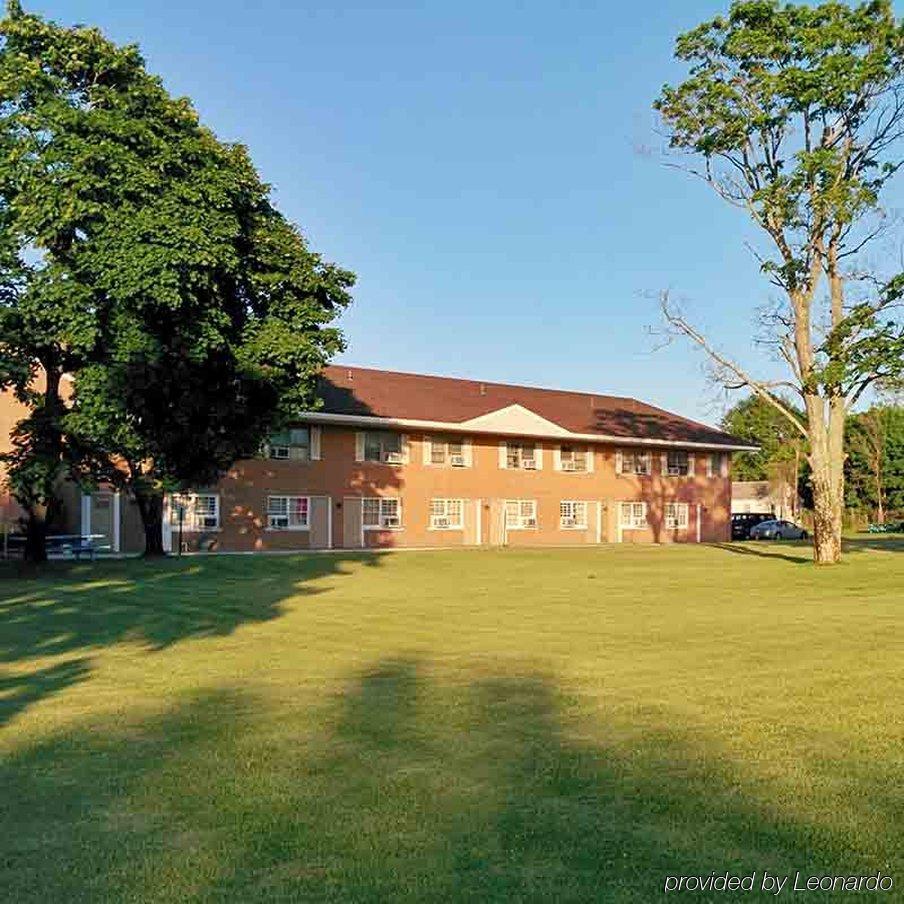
(520, 514)
(288, 512)
(452, 451)
(636, 461)
(201, 511)
(632, 515)
(573, 458)
(714, 464)
(447, 514)
(677, 463)
(676, 515)
(572, 515)
(294, 444)
(381, 513)
(384, 446)
(521, 455)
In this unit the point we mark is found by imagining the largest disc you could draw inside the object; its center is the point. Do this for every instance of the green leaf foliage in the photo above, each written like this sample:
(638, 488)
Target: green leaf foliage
(144, 257)
(754, 419)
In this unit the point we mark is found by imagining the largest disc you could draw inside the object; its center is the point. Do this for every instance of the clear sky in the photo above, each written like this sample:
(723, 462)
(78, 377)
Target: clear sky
(489, 170)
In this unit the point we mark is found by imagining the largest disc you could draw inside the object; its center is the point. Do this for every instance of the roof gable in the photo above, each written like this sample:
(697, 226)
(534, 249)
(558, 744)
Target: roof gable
(372, 397)
(515, 419)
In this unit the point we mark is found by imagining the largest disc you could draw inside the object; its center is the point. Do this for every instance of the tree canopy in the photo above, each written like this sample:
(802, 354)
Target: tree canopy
(794, 114)
(143, 257)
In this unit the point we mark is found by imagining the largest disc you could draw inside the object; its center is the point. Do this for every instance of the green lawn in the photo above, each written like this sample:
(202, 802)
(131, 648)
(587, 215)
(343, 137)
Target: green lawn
(473, 725)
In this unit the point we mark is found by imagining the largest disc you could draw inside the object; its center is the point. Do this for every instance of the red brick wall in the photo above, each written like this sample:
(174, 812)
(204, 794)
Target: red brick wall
(243, 494)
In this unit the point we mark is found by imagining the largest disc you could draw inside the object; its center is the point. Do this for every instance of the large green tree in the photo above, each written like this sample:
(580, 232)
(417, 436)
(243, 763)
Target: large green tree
(875, 464)
(142, 257)
(793, 114)
(754, 419)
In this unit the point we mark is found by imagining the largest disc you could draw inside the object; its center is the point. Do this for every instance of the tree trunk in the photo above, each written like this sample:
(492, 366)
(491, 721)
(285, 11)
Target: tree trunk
(827, 464)
(150, 507)
(36, 534)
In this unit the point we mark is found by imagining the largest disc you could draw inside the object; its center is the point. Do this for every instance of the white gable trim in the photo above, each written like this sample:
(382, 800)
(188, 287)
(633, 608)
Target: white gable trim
(515, 419)
(356, 420)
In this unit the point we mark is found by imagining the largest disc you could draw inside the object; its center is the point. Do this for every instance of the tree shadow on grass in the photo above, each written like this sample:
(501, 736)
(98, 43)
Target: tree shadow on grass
(76, 609)
(404, 788)
(797, 553)
(800, 552)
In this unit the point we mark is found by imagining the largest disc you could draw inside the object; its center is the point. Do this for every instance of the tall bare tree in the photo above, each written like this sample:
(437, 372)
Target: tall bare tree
(794, 115)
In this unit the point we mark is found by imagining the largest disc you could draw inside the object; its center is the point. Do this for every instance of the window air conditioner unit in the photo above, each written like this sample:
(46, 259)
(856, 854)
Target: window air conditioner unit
(457, 461)
(394, 458)
(529, 464)
(208, 521)
(280, 452)
(530, 522)
(569, 466)
(391, 521)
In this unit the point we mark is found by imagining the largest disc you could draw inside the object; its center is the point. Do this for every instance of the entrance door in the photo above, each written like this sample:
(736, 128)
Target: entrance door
(102, 523)
(352, 523)
(321, 526)
(496, 531)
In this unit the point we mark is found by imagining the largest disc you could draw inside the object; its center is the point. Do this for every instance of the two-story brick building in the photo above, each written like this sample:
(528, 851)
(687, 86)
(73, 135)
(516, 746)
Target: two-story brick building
(406, 460)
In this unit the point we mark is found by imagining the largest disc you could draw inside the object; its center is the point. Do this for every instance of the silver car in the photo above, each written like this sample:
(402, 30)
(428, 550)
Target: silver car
(777, 530)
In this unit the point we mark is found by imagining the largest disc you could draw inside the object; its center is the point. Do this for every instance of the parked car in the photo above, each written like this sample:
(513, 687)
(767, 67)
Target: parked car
(889, 527)
(777, 530)
(742, 522)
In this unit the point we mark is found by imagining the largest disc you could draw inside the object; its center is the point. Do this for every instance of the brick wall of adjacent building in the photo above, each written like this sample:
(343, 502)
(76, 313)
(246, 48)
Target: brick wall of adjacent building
(337, 481)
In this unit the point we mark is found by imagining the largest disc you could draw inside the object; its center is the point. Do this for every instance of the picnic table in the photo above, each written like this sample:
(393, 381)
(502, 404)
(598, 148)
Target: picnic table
(71, 546)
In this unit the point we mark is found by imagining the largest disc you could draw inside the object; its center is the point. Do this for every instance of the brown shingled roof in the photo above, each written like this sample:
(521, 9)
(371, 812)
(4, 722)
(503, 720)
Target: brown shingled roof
(383, 393)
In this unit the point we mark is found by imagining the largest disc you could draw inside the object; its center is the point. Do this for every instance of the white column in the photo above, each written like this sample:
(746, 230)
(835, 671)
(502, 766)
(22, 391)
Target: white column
(699, 521)
(85, 521)
(117, 509)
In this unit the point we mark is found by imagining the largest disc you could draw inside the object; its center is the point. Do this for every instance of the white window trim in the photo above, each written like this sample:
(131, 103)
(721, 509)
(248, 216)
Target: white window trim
(537, 458)
(559, 462)
(310, 453)
(381, 526)
(574, 502)
(288, 527)
(633, 523)
(665, 464)
(463, 441)
(521, 525)
(361, 449)
(620, 459)
(676, 518)
(190, 501)
(460, 525)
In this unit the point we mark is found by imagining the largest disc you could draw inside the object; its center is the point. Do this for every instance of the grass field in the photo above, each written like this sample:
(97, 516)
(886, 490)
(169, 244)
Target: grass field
(471, 726)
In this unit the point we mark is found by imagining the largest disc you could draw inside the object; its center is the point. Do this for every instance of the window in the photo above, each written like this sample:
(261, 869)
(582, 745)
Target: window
(446, 514)
(572, 515)
(572, 459)
(632, 515)
(677, 463)
(633, 461)
(714, 464)
(381, 514)
(676, 515)
(447, 451)
(520, 514)
(288, 512)
(290, 444)
(383, 445)
(200, 511)
(521, 455)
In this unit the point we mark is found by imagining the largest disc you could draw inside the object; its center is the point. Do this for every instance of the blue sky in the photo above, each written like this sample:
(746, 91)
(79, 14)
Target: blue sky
(489, 170)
